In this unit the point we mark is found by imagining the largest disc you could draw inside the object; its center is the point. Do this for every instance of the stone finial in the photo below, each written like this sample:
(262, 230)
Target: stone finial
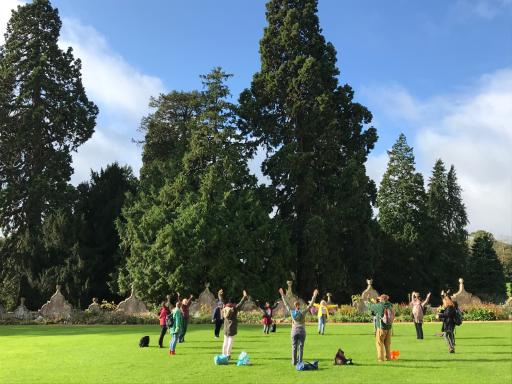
(329, 298)
(132, 305)
(464, 298)
(57, 307)
(289, 291)
(369, 282)
(22, 312)
(207, 285)
(94, 307)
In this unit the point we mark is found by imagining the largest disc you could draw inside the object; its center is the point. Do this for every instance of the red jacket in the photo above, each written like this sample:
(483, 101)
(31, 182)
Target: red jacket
(163, 314)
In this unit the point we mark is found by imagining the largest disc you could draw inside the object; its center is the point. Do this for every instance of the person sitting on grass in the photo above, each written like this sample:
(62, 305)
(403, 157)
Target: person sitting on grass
(323, 314)
(230, 313)
(384, 315)
(298, 325)
(176, 328)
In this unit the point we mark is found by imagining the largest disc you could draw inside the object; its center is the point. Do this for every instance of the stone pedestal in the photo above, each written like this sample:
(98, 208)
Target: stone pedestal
(368, 294)
(464, 298)
(290, 298)
(94, 307)
(132, 305)
(204, 304)
(22, 312)
(250, 306)
(57, 307)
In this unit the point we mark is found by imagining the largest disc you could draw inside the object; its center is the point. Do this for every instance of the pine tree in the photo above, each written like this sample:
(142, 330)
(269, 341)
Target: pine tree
(317, 143)
(208, 223)
(402, 218)
(44, 116)
(485, 277)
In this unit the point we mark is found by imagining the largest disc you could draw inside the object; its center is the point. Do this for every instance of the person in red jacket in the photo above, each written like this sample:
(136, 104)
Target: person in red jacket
(164, 311)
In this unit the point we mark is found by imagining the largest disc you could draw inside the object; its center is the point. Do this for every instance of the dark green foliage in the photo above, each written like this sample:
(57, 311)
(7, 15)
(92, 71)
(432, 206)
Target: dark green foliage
(447, 236)
(485, 277)
(207, 220)
(317, 144)
(402, 219)
(44, 116)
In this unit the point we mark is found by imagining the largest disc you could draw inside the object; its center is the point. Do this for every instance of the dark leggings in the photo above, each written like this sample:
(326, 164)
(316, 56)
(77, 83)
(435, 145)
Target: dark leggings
(218, 326)
(162, 335)
(419, 330)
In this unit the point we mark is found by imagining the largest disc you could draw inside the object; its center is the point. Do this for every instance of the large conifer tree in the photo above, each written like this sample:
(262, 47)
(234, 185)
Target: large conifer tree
(44, 116)
(402, 217)
(317, 142)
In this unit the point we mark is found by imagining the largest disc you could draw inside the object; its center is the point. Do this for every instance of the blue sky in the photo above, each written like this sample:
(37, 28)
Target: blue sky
(439, 71)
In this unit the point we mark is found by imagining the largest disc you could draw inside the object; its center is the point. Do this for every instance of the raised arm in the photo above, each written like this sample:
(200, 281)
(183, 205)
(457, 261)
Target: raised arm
(281, 292)
(220, 295)
(189, 299)
(426, 300)
(312, 302)
(244, 297)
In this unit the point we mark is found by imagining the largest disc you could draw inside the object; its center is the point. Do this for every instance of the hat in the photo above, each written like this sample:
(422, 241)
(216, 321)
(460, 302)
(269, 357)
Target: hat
(383, 297)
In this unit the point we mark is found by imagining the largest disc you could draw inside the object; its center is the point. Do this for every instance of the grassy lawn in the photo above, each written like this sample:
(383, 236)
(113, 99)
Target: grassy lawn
(110, 354)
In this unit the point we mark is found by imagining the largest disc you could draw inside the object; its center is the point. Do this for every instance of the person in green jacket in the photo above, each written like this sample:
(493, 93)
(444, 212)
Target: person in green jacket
(177, 327)
(384, 315)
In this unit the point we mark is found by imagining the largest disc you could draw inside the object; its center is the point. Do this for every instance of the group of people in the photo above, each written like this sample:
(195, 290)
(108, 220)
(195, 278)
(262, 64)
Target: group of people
(176, 318)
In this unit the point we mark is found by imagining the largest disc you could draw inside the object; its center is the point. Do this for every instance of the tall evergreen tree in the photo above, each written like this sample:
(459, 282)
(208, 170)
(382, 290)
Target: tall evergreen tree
(485, 276)
(317, 145)
(210, 221)
(402, 217)
(44, 116)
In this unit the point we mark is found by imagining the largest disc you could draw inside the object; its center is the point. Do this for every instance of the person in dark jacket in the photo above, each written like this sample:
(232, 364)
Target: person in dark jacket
(447, 315)
(164, 311)
(230, 313)
(217, 319)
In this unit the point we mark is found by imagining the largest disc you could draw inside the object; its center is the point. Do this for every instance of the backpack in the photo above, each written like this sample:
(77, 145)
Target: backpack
(388, 316)
(169, 321)
(273, 327)
(341, 359)
(221, 360)
(306, 366)
(243, 359)
(144, 342)
(458, 316)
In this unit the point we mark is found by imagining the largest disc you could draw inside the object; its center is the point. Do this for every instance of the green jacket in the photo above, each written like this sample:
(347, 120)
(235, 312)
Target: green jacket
(177, 327)
(378, 310)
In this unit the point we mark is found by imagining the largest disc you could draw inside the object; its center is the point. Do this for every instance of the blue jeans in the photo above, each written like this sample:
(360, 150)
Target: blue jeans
(321, 324)
(174, 340)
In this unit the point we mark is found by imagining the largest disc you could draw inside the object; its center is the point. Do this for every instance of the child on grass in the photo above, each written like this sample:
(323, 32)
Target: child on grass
(267, 311)
(418, 309)
(164, 311)
(323, 314)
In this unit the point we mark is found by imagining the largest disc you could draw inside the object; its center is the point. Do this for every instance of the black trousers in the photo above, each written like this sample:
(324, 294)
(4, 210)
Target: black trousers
(218, 326)
(162, 335)
(419, 330)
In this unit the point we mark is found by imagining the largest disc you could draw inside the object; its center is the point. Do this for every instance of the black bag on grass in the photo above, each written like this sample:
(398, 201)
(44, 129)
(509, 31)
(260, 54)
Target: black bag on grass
(273, 327)
(144, 341)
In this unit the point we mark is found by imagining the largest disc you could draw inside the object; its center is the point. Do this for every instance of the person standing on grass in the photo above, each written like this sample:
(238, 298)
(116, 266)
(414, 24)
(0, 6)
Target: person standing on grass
(447, 315)
(298, 334)
(384, 313)
(164, 311)
(176, 328)
(185, 306)
(418, 309)
(217, 319)
(267, 311)
(323, 314)
(230, 313)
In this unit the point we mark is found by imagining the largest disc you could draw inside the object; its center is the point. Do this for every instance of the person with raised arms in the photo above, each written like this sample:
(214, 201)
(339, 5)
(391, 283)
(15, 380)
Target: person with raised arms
(230, 313)
(298, 334)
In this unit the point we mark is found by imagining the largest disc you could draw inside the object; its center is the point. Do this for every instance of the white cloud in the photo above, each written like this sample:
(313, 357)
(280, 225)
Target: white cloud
(120, 90)
(486, 9)
(472, 131)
